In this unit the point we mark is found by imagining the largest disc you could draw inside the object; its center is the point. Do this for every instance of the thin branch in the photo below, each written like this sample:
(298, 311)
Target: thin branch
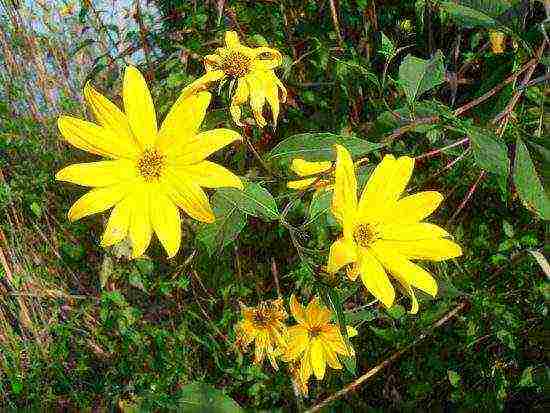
(395, 356)
(334, 15)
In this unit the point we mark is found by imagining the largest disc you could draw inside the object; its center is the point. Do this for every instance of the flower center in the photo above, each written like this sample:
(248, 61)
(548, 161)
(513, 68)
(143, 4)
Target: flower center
(314, 331)
(263, 315)
(150, 164)
(364, 235)
(236, 64)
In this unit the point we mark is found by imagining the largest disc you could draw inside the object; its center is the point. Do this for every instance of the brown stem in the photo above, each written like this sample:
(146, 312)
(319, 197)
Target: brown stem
(334, 15)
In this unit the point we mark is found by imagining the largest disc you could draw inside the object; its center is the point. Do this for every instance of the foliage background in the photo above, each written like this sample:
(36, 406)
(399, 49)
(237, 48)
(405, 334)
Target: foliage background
(81, 328)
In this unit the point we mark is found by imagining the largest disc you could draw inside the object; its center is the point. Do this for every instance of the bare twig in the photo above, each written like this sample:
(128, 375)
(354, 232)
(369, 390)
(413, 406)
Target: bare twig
(440, 150)
(468, 196)
(395, 356)
(334, 15)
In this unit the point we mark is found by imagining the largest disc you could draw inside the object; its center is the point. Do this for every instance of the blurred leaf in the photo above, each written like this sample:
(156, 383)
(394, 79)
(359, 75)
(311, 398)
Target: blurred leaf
(202, 397)
(254, 200)
(542, 261)
(229, 223)
(318, 147)
(320, 204)
(476, 13)
(527, 378)
(417, 76)
(490, 153)
(388, 48)
(454, 378)
(528, 184)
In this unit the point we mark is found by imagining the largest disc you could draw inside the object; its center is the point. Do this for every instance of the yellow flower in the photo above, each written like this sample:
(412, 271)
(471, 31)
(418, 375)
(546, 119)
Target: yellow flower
(498, 41)
(265, 326)
(305, 168)
(383, 231)
(253, 71)
(314, 341)
(149, 173)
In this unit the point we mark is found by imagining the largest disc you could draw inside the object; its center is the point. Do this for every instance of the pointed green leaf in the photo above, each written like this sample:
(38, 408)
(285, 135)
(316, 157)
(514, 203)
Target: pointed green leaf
(417, 76)
(253, 200)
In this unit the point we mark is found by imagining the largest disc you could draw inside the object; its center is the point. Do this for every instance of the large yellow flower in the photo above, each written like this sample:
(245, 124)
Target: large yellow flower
(149, 172)
(314, 342)
(383, 231)
(265, 326)
(253, 71)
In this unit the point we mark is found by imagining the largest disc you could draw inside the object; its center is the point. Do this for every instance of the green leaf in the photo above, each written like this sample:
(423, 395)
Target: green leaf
(417, 76)
(202, 397)
(254, 200)
(527, 183)
(527, 378)
(320, 204)
(318, 147)
(490, 153)
(229, 223)
(475, 13)
(454, 378)
(388, 48)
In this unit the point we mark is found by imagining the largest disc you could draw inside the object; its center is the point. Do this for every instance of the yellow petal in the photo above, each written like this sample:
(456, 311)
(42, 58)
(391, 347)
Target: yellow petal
(402, 268)
(272, 97)
(344, 200)
(385, 186)
(210, 175)
(232, 39)
(297, 310)
(259, 351)
(102, 173)
(437, 249)
(410, 232)
(140, 231)
(241, 95)
(266, 58)
(165, 219)
(305, 366)
(188, 196)
(297, 342)
(109, 115)
(95, 139)
(316, 314)
(331, 357)
(416, 207)
(182, 122)
(412, 295)
(318, 359)
(97, 200)
(301, 184)
(206, 143)
(375, 278)
(118, 223)
(139, 107)
(202, 83)
(342, 252)
(306, 168)
(257, 97)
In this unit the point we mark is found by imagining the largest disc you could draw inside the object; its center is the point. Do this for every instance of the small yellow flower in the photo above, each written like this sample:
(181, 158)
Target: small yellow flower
(265, 326)
(148, 173)
(498, 41)
(314, 342)
(253, 71)
(307, 169)
(383, 231)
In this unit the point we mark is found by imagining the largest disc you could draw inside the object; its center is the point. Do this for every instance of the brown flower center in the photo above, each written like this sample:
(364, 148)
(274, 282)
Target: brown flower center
(150, 164)
(236, 64)
(364, 235)
(314, 331)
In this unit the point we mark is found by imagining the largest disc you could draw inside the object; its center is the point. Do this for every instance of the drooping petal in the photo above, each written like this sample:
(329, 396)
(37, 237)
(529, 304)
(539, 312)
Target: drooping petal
(188, 196)
(212, 62)
(109, 115)
(402, 268)
(272, 96)
(410, 232)
(301, 184)
(318, 359)
(182, 122)
(297, 343)
(305, 366)
(141, 231)
(95, 139)
(375, 278)
(139, 107)
(165, 219)
(344, 200)
(331, 357)
(342, 252)
(410, 292)
(102, 173)
(416, 207)
(206, 143)
(259, 351)
(266, 59)
(306, 168)
(118, 223)
(385, 186)
(202, 83)
(210, 175)
(257, 97)
(436, 249)
(242, 93)
(297, 310)
(97, 200)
